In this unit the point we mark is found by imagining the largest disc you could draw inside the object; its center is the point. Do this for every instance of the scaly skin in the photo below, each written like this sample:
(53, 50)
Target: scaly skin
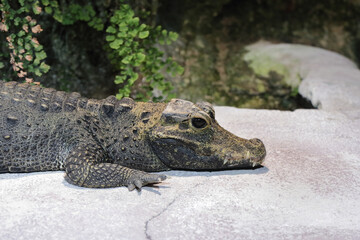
(110, 142)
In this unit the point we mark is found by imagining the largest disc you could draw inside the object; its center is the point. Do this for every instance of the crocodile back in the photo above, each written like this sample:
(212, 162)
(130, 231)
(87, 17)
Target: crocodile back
(34, 123)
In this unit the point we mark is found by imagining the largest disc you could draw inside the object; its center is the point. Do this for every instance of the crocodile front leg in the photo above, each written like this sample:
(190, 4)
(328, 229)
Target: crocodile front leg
(86, 166)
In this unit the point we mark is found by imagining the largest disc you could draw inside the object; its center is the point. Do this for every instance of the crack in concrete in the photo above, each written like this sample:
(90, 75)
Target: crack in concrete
(155, 216)
(166, 208)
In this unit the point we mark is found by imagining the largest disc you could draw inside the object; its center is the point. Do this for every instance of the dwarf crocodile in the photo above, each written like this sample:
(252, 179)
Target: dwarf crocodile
(110, 142)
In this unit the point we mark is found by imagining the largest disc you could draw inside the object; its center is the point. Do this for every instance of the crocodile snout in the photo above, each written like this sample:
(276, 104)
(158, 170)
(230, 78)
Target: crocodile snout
(248, 154)
(258, 152)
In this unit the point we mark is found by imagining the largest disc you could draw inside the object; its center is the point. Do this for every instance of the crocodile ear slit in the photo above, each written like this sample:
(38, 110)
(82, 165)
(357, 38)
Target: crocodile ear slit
(208, 108)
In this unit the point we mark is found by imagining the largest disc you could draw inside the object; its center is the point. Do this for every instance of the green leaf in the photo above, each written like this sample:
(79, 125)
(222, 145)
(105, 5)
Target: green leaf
(161, 86)
(38, 48)
(32, 23)
(114, 19)
(22, 10)
(133, 33)
(28, 38)
(140, 57)
(20, 41)
(133, 77)
(123, 27)
(40, 55)
(113, 45)
(99, 26)
(111, 29)
(116, 44)
(54, 3)
(90, 10)
(45, 2)
(294, 92)
(17, 21)
(134, 22)
(158, 76)
(48, 10)
(125, 8)
(30, 68)
(180, 70)
(119, 79)
(27, 46)
(44, 67)
(173, 36)
(96, 23)
(140, 97)
(37, 72)
(1, 65)
(21, 33)
(143, 34)
(58, 16)
(121, 35)
(119, 96)
(171, 96)
(110, 38)
(36, 62)
(35, 7)
(123, 51)
(124, 92)
(127, 59)
(142, 27)
(128, 42)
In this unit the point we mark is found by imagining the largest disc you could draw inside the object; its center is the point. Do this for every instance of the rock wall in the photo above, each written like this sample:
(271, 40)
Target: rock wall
(214, 36)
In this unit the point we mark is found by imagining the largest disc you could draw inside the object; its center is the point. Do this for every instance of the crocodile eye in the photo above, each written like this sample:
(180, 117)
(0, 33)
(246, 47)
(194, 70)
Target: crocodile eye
(198, 122)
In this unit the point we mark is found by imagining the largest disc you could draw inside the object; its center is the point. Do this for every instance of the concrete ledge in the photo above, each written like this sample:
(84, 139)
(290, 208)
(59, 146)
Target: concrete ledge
(308, 188)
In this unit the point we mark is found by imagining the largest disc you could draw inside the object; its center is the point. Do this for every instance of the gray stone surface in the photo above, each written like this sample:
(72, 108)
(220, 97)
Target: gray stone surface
(309, 188)
(330, 80)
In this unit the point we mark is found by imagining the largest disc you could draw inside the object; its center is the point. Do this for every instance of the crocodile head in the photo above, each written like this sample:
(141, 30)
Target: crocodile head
(188, 137)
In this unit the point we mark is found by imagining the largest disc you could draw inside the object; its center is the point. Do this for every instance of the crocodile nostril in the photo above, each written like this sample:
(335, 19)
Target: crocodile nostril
(256, 141)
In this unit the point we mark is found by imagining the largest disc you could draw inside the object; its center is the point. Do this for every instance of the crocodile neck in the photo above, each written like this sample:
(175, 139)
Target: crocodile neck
(130, 146)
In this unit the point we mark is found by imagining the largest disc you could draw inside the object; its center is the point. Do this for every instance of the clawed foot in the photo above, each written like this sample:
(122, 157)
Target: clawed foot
(142, 179)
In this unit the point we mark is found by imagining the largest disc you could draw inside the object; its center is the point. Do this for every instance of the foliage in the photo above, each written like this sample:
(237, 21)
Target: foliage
(24, 51)
(133, 53)
(129, 42)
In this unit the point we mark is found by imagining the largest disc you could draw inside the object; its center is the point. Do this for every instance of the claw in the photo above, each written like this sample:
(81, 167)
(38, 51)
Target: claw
(144, 179)
(162, 177)
(138, 183)
(131, 187)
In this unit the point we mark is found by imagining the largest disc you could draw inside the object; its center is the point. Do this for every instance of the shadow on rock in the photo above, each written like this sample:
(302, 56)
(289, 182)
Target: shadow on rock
(177, 173)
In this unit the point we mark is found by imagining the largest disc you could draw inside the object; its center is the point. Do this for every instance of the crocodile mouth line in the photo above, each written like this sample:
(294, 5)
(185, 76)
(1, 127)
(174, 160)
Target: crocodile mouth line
(253, 161)
(258, 161)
